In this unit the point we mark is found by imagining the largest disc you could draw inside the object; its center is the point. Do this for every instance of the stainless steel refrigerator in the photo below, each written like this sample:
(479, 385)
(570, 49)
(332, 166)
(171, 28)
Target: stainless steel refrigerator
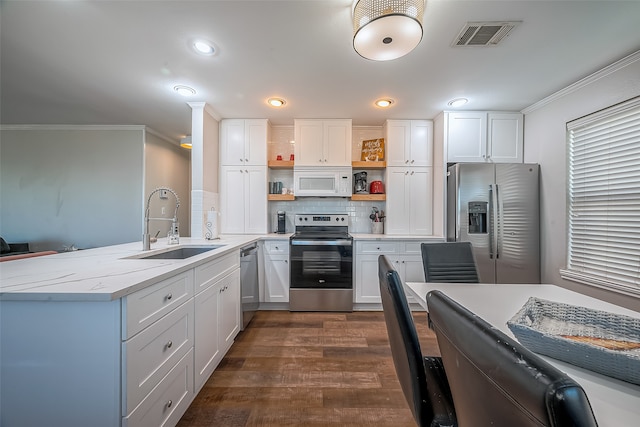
(495, 206)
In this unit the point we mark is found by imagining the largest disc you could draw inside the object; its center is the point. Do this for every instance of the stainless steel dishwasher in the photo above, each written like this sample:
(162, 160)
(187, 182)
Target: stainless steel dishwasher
(249, 292)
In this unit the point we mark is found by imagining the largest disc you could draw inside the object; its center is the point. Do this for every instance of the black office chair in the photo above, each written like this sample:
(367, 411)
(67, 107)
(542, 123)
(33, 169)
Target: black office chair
(497, 382)
(423, 379)
(449, 262)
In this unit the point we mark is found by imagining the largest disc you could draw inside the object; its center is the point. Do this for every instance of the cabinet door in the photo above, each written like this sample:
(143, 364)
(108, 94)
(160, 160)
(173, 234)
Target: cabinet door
(505, 141)
(419, 200)
(232, 200)
(367, 284)
(337, 142)
(255, 206)
(421, 143)
(309, 143)
(207, 351)
(397, 220)
(228, 310)
(232, 142)
(256, 137)
(398, 135)
(466, 137)
(276, 278)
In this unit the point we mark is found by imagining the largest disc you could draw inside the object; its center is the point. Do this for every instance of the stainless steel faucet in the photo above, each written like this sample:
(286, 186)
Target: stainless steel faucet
(173, 233)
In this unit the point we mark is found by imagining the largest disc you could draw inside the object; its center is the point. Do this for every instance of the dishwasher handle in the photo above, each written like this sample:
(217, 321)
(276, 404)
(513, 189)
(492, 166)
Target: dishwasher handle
(248, 250)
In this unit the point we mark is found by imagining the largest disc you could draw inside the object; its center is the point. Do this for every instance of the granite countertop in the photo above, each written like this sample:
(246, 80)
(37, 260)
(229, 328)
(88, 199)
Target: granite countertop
(103, 274)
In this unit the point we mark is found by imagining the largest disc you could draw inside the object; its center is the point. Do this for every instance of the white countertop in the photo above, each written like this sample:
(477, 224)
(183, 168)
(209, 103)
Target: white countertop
(101, 274)
(614, 402)
(369, 236)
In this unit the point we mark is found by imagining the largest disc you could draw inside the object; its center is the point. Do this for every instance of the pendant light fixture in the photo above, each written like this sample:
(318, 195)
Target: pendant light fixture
(386, 29)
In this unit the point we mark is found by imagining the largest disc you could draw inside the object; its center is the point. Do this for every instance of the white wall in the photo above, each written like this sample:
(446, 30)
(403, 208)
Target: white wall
(545, 143)
(63, 186)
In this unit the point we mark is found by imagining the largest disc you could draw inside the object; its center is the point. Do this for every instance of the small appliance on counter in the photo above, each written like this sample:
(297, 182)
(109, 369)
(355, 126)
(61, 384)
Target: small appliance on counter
(360, 183)
(377, 187)
(281, 225)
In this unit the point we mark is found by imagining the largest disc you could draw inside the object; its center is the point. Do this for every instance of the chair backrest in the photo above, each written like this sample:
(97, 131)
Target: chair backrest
(449, 262)
(497, 382)
(423, 381)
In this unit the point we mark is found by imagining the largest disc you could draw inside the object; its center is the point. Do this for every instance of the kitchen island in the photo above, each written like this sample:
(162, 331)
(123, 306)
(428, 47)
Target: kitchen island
(101, 337)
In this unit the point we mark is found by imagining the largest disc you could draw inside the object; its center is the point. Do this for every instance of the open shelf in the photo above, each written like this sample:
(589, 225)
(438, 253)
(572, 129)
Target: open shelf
(369, 165)
(281, 197)
(369, 197)
(280, 164)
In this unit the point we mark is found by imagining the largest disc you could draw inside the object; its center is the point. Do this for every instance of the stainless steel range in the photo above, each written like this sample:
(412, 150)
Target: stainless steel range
(321, 263)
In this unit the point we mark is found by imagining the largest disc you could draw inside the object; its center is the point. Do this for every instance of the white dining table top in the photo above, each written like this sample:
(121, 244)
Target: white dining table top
(615, 403)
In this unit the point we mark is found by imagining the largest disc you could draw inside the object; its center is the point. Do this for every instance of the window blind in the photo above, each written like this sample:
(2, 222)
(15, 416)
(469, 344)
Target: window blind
(604, 198)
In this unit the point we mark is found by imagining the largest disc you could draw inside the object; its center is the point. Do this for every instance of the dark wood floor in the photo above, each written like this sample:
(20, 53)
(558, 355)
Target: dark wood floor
(308, 369)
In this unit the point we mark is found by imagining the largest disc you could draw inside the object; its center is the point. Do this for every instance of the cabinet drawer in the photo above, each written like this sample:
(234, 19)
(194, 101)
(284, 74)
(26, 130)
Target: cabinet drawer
(207, 274)
(169, 400)
(377, 247)
(142, 308)
(412, 248)
(150, 355)
(277, 247)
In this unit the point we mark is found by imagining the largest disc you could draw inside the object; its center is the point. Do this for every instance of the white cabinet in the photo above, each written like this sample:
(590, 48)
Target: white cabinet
(229, 310)
(405, 257)
(322, 142)
(409, 200)
(244, 142)
(409, 142)
(478, 136)
(210, 278)
(276, 266)
(243, 199)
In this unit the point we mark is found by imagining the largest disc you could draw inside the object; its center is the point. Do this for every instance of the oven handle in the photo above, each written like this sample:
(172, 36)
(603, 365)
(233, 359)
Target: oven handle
(322, 242)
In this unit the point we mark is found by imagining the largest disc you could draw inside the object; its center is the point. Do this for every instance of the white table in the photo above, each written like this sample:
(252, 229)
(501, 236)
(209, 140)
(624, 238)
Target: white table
(615, 403)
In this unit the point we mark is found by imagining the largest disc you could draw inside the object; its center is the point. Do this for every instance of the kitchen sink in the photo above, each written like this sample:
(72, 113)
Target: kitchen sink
(182, 252)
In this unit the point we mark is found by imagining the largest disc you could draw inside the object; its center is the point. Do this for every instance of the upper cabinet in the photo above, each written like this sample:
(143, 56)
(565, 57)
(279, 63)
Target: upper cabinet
(322, 142)
(479, 136)
(409, 142)
(244, 142)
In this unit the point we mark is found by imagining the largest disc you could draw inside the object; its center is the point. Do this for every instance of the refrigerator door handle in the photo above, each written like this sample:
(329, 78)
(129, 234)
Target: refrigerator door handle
(498, 223)
(491, 221)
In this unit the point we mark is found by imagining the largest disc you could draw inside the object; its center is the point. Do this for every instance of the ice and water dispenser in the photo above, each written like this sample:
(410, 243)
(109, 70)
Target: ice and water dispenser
(478, 217)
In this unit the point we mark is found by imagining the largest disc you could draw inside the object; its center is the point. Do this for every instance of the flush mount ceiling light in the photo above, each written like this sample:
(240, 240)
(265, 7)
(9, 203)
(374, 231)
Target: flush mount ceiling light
(458, 102)
(186, 142)
(384, 103)
(386, 29)
(203, 47)
(184, 90)
(276, 102)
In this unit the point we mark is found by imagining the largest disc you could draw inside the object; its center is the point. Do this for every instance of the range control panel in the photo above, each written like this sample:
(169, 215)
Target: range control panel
(322, 219)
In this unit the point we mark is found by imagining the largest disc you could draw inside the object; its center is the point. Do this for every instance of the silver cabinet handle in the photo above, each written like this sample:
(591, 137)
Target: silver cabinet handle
(412, 161)
(170, 344)
(169, 296)
(169, 403)
(246, 160)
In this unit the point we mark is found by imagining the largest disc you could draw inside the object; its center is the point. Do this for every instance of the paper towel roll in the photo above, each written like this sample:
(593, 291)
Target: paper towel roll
(211, 225)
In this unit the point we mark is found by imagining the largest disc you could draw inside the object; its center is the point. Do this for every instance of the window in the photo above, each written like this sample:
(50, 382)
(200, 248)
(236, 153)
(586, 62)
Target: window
(604, 198)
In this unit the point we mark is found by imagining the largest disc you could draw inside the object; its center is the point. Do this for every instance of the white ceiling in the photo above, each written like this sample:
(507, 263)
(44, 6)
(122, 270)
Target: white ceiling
(116, 62)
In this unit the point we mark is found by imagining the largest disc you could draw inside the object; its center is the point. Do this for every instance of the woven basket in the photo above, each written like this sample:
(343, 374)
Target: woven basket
(540, 324)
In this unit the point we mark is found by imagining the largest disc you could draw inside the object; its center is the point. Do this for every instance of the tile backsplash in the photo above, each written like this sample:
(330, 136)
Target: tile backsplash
(358, 212)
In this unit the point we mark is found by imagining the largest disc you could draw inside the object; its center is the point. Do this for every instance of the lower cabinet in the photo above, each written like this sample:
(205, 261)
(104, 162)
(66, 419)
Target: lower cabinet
(276, 271)
(404, 255)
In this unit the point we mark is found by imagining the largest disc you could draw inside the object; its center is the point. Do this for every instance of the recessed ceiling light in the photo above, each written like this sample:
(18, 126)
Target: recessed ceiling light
(384, 103)
(186, 142)
(276, 102)
(458, 102)
(184, 90)
(203, 47)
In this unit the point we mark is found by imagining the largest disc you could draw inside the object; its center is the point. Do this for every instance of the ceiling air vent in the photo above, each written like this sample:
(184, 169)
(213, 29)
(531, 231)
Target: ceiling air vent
(484, 33)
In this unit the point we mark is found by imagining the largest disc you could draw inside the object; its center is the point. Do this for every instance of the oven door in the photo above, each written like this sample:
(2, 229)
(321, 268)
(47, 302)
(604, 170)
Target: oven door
(321, 264)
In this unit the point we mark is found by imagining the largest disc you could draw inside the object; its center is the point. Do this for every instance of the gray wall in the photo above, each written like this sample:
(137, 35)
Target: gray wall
(545, 143)
(83, 185)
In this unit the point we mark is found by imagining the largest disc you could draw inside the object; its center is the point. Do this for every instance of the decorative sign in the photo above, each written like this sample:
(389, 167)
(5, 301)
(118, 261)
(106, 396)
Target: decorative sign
(373, 150)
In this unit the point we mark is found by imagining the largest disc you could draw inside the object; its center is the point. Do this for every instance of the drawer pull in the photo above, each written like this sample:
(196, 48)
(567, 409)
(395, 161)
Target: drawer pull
(169, 403)
(169, 297)
(170, 344)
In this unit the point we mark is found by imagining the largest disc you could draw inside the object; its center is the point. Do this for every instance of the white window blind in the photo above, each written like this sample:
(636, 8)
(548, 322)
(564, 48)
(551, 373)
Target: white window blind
(604, 198)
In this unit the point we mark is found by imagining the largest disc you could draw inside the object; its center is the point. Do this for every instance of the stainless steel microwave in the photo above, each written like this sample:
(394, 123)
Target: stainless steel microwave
(322, 181)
